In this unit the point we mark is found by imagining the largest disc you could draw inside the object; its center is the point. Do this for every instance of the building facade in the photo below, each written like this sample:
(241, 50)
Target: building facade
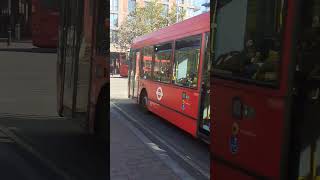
(119, 10)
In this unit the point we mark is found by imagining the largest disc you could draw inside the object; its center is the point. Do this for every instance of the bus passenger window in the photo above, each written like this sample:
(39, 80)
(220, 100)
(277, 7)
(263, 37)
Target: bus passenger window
(146, 63)
(186, 62)
(254, 52)
(162, 66)
(309, 43)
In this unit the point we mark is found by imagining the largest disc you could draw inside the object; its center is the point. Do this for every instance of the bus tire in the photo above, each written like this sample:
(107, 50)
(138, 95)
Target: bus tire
(144, 101)
(101, 117)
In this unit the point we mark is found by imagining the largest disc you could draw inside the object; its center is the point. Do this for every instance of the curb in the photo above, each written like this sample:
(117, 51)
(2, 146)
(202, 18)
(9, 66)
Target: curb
(32, 50)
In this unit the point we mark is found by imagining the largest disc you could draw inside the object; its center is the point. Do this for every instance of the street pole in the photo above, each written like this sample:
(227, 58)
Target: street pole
(10, 21)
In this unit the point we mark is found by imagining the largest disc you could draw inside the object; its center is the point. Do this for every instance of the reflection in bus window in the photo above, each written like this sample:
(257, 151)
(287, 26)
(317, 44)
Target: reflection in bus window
(205, 87)
(146, 63)
(162, 65)
(186, 62)
(257, 57)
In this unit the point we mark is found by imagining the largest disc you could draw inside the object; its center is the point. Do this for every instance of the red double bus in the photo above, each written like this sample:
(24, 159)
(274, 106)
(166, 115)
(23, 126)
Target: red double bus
(266, 81)
(82, 77)
(169, 74)
(45, 23)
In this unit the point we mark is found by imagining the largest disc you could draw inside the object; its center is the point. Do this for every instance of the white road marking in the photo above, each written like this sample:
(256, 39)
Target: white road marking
(6, 140)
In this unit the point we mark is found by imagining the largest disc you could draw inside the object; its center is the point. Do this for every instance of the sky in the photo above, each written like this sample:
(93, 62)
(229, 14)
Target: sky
(199, 4)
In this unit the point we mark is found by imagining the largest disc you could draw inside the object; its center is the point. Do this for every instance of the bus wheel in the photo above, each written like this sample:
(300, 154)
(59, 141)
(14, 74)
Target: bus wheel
(100, 125)
(144, 101)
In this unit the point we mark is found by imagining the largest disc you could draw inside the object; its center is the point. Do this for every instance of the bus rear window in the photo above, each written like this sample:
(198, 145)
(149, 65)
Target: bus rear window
(248, 40)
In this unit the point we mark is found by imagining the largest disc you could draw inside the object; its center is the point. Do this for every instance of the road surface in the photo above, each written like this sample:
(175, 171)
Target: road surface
(185, 152)
(36, 143)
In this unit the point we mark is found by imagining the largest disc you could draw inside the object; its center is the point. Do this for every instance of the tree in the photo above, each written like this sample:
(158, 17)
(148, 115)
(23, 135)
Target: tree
(145, 20)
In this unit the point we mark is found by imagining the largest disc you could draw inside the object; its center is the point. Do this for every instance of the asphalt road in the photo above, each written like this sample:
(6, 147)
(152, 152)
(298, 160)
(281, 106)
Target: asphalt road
(191, 154)
(38, 144)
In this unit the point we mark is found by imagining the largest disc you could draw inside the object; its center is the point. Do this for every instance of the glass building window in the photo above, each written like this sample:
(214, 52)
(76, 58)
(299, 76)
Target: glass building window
(113, 20)
(165, 9)
(114, 36)
(189, 12)
(179, 11)
(114, 5)
(131, 5)
(180, 1)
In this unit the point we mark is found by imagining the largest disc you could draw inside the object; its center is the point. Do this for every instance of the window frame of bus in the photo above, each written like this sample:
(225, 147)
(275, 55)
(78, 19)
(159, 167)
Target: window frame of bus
(171, 61)
(199, 59)
(281, 13)
(141, 64)
(207, 51)
(102, 43)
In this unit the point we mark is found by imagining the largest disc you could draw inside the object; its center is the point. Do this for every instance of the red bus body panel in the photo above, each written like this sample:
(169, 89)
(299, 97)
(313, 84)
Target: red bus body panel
(123, 70)
(192, 26)
(170, 105)
(261, 138)
(45, 25)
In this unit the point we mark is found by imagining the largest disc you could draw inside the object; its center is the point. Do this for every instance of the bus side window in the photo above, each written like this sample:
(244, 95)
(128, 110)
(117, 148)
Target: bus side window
(162, 63)
(309, 43)
(186, 62)
(146, 63)
(252, 51)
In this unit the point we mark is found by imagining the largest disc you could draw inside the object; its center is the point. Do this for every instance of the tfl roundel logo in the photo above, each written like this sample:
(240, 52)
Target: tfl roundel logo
(159, 93)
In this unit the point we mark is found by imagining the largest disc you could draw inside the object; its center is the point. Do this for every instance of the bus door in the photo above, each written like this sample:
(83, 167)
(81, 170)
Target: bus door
(61, 56)
(250, 84)
(306, 104)
(204, 119)
(134, 73)
(70, 59)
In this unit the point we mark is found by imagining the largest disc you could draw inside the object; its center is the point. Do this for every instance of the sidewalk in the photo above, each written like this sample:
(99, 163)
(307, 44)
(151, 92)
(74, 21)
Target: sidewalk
(130, 157)
(24, 46)
(17, 45)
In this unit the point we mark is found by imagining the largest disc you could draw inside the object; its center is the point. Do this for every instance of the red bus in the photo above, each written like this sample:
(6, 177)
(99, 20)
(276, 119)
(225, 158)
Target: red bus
(169, 74)
(266, 83)
(45, 22)
(82, 77)
(123, 68)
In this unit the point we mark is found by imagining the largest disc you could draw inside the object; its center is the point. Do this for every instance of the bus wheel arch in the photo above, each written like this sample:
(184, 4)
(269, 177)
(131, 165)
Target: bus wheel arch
(101, 115)
(143, 100)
